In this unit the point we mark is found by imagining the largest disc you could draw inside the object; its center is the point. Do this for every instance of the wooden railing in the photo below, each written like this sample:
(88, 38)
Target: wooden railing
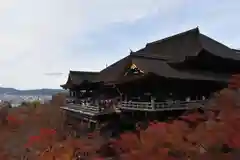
(85, 109)
(89, 109)
(161, 106)
(137, 105)
(133, 105)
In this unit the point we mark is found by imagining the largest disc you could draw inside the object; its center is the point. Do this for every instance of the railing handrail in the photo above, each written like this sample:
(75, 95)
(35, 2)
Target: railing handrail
(159, 105)
(150, 106)
(135, 102)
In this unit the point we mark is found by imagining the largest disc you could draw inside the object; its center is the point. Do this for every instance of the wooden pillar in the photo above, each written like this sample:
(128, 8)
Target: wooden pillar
(73, 95)
(89, 124)
(94, 125)
(125, 98)
(80, 125)
(97, 125)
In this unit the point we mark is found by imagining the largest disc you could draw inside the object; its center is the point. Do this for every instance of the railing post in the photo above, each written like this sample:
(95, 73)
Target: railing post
(153, 103)
(89, 124)
(97, 105)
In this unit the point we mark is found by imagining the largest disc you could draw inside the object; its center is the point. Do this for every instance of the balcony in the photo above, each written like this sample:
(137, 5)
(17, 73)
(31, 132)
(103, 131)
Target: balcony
(74, 105)
(92, 109)
(162, 106)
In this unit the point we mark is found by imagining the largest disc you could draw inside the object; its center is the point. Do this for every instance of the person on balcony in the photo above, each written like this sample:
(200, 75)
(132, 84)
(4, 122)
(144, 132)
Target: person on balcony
(188, 99)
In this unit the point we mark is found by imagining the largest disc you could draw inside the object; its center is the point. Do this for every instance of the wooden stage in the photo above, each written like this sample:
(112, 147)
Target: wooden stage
(93, 113)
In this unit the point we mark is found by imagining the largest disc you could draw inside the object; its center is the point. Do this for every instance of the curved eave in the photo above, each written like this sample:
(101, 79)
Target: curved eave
(64, 86)
(68, 84)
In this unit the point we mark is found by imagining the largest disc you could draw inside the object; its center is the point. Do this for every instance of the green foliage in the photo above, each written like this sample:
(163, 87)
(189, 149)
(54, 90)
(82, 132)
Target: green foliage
(36, 103)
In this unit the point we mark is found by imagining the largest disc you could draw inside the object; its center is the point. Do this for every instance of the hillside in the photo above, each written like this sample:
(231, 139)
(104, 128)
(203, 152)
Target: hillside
(13, 91)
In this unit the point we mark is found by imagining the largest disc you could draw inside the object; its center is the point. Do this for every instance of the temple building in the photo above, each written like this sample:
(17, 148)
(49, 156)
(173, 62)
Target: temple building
(164, 75)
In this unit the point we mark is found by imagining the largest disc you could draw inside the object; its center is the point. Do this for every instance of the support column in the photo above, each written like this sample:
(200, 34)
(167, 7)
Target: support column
(125, 98)
(93, 126)
(145, 113)
(97, 125)
(89, 124)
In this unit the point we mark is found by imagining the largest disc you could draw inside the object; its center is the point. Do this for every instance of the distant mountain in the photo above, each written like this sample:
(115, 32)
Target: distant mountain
(13, 91)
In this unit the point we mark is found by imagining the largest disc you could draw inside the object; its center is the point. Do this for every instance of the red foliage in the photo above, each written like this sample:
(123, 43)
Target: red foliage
(215, 136)
(13, 120)
(47, 131)
(128, 142)
(192, 117)
(234, 140)
(32, 140)
(45, 135)
(176, 140)
(234, 82)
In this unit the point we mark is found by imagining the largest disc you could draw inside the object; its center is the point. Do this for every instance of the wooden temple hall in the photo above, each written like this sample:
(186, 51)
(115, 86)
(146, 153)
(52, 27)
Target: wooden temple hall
(167, 74)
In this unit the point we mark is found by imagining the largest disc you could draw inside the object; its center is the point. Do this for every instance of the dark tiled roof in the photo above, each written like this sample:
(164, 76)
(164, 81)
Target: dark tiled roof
(77, 77)
(114, 71)
(163, 69)
(156, 56)
(217, 48)
(188, 43)
(237, 51)
(158, 67)
(176, 47)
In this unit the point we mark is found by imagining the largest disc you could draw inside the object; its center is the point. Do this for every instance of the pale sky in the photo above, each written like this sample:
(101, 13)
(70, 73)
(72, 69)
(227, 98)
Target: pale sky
(41, 40)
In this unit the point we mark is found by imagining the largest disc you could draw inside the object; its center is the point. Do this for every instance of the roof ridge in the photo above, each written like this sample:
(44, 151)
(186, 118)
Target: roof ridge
(115, 63)
(196, 29)
(144, 55)
(237, 50)
(71, 71)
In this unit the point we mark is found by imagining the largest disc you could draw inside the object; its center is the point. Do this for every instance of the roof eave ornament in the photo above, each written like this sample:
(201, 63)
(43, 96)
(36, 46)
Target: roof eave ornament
(197, 28)
(131, 52)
